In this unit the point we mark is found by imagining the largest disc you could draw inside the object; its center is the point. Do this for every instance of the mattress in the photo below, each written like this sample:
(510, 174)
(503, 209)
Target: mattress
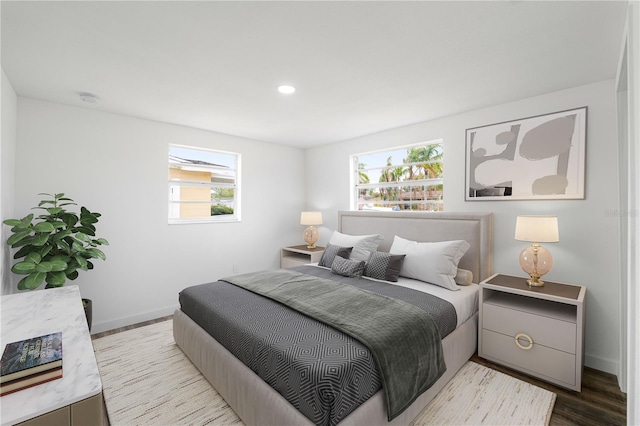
(302, 359)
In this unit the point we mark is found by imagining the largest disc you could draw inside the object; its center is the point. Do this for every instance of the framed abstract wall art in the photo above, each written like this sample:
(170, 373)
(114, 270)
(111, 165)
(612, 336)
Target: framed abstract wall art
(535, 158)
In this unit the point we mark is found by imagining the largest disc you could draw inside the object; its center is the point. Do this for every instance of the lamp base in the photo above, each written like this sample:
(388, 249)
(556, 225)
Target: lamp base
(536, 261)
(535, 282)
(310, 236)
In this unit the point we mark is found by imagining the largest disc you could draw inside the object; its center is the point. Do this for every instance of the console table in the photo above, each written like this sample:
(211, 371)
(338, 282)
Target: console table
(76, 398)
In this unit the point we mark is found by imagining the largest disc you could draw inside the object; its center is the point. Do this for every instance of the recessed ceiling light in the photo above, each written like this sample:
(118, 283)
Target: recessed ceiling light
(287, 90)
(89, 98)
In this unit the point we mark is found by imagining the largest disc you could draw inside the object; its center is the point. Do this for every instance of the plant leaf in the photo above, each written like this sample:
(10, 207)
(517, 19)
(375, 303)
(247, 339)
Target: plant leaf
(76, 246)
(54, 210)
(44, 267)
(56, 278)
(27, 219)
(46, 249)
(94, 252)
(58, 265)
(40, 239)
(18, 236)
(33, 257)
(24, 267)
(62, 234)
(89, 230)
(24, 242)
(32, 281)
(82, 262)
(43, 227)
(82, 237)
(12, 222)
(64, 246)
(102, 241)
(88, 219)
(23, 252)
(70, 219)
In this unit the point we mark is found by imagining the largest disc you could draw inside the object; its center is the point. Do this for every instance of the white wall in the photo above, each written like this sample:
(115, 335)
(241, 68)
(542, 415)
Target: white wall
(117, 166)
(9, 110)
(588, 250)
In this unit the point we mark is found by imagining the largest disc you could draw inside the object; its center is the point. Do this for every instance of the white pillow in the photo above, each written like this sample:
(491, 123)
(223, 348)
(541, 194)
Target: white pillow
(435, 263)
(363, 245)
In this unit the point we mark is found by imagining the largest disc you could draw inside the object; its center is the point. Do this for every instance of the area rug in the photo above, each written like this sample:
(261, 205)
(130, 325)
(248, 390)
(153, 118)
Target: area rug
(147, 380)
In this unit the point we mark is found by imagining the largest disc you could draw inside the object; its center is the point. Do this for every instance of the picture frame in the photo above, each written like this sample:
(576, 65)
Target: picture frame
(534, 158)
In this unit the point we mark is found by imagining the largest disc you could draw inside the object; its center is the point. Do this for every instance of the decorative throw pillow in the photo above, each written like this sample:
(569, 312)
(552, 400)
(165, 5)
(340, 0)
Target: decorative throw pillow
(464, 277)
(347, 267)
(363, 245)
(435, 263)
(330, 253)
(384, 266)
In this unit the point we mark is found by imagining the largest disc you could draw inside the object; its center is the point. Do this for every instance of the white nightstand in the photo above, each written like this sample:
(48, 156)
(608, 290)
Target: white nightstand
(536, 330)
(299, 255)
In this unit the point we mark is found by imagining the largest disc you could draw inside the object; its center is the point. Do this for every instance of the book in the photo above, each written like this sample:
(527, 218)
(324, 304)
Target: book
(29, 381)
(30, 357)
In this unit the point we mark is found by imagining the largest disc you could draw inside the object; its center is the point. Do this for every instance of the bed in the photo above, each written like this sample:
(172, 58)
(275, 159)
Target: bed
(257, 403)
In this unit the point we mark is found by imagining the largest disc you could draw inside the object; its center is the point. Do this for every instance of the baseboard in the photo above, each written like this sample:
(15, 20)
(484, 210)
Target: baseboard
(602, 364)
(130, 320)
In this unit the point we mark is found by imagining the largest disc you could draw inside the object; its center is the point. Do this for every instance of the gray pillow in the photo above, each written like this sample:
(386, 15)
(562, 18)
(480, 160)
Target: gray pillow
(330, 253)
(384, 266)
(347, 267)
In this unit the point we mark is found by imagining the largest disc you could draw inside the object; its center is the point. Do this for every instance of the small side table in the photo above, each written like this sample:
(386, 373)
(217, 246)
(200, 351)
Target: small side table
(535, 330)
(76, 398)
(299, 255)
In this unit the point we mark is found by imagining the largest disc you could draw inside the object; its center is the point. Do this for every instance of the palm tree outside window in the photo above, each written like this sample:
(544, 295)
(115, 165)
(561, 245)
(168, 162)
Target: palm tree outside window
(408, 178)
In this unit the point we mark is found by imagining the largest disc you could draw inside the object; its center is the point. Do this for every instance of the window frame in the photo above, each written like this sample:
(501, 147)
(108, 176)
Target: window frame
(424, 184)
(235, 185)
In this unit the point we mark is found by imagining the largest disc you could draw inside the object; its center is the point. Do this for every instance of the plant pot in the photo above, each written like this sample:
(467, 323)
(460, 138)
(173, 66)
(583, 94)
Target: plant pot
(88, 311)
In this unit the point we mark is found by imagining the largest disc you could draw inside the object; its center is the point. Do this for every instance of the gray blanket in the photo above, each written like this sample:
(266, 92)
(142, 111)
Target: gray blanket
(403, 339)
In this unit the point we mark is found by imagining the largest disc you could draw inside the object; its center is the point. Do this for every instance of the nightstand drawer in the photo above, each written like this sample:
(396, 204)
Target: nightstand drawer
(556, 366)
(550, 332)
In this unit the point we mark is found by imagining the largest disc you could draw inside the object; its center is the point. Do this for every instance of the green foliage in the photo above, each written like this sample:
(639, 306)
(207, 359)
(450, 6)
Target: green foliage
(218, 210)
(56, 245)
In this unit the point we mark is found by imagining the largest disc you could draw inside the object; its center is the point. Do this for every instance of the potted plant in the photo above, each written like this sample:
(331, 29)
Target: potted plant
(55, 245)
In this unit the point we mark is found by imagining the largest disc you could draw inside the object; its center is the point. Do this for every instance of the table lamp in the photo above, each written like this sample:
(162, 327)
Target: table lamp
(311, 234)
(535, 260)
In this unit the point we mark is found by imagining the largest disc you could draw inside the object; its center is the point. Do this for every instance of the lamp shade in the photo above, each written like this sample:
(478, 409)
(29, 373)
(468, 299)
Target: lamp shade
(311, 218)
(539, 229)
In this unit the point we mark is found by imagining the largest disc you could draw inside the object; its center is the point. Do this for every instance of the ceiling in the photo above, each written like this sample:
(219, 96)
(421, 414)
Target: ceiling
(359, 67)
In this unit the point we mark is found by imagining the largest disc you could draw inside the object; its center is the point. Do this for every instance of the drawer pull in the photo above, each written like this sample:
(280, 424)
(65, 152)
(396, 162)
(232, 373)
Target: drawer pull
(525, 337)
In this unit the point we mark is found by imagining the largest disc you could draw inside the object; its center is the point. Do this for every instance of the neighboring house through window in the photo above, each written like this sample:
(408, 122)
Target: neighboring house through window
(203, 185)
(407, 178)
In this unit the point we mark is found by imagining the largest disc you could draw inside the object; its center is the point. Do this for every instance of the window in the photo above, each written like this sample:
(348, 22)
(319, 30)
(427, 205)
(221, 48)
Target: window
(408, 178)
(203, 185)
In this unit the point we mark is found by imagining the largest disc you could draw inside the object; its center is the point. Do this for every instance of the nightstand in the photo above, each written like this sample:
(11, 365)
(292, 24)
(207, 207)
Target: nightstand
(536, 330)
(299, 255)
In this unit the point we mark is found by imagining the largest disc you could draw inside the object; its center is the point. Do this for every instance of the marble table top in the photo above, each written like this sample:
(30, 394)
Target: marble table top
(30, 314)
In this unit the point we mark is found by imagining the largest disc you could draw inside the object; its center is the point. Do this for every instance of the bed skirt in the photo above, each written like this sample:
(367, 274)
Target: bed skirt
(256, 403)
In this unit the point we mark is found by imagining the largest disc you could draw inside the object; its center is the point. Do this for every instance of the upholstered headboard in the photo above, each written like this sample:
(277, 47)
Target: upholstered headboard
(475, 228)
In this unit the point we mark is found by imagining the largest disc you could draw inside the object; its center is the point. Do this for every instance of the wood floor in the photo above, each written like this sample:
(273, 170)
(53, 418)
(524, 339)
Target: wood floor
(600, 403)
